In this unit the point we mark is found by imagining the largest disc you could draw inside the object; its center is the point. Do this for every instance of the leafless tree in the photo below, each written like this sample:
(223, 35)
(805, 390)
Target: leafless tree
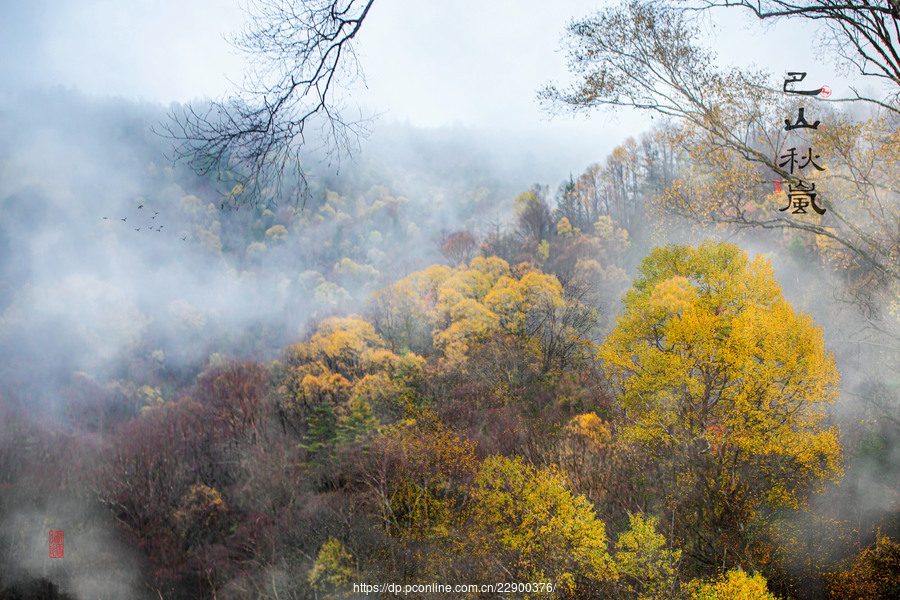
(302, 60)
(533, 214)
(864, 33)
(458, 247)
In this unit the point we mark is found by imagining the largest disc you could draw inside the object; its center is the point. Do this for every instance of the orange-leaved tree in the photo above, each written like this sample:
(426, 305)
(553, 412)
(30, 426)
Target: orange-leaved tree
(728, 387)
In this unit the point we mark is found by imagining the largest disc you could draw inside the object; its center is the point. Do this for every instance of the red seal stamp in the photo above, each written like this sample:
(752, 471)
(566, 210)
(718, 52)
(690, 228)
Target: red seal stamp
(56, 544)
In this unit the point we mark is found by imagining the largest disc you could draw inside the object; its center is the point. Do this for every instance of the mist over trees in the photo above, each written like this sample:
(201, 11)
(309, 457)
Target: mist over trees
(642, 381)
(303, 62)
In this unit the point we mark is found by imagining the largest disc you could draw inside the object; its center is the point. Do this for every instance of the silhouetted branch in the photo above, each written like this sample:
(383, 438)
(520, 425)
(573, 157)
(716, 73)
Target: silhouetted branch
(864, 33)
(301, 55)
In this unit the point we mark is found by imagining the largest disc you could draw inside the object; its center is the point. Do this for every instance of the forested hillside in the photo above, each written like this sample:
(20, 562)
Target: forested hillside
(645, 381)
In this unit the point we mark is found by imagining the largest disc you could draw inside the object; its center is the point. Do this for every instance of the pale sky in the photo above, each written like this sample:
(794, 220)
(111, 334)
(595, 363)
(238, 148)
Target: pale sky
(465, 63)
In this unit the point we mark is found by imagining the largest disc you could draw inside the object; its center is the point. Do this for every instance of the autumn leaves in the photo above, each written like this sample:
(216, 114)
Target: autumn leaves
(462, 431)
(719, 378)
(716, 380)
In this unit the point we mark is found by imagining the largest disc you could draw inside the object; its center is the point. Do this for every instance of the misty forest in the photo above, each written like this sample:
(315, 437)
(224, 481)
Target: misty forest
(268, 346)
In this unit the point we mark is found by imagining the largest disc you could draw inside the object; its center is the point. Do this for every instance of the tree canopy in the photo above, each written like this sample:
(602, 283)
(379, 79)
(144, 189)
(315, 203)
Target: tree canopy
(719, 376)
(727, 124)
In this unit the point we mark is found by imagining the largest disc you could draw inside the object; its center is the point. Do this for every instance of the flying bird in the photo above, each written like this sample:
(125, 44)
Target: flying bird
(105, 218)
(140, 206)
(155, 212)
(184, 239)
(123, 220)
(137, 229)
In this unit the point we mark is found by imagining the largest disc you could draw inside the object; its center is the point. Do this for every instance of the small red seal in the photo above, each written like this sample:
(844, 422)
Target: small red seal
(56, 544)
(825, 91)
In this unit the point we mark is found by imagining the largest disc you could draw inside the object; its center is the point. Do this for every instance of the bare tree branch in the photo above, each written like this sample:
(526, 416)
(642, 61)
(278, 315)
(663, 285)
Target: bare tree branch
(646, 55)
(864, 33)
(301, 57)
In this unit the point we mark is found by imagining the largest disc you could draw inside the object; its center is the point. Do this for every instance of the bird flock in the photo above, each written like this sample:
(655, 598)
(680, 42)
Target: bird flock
(144, 223)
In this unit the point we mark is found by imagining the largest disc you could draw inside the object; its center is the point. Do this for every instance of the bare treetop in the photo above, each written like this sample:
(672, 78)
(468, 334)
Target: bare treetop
(864, 33)
(301, 60)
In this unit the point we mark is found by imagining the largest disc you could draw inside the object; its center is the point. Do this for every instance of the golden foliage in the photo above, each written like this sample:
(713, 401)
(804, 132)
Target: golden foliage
(728, 389)
(589, 429)
(644, 564)
(464, 308)
(735, 585)
(201, 511)
(564, 228)
(708, 347)
(333, 569)
(526, 520)
(345, 361)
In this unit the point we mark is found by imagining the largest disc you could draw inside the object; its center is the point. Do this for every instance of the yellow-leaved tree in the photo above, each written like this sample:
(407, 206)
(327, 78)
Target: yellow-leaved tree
(336, 389)
(501, 328)
(528, 527)
(734, 585)
(723, 383)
